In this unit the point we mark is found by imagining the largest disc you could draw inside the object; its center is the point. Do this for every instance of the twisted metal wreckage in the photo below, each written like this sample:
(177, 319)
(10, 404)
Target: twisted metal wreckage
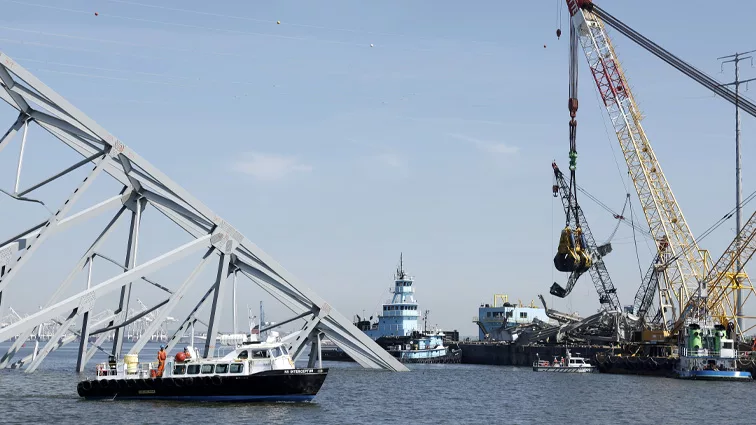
(142, 185)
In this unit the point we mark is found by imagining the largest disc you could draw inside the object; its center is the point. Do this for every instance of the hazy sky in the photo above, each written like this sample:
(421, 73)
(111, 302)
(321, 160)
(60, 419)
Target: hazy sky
(334, 156)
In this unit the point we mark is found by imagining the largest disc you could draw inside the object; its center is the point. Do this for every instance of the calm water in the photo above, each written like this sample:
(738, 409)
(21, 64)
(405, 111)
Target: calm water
(458, 394)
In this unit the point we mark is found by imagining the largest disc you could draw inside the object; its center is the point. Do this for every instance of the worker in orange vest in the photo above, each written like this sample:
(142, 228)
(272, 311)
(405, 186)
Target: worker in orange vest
(161, 360)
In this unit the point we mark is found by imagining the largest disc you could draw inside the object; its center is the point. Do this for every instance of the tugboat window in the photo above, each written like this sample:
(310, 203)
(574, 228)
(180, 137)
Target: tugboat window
(207, 368)
(179, 369)
(236, 367)
(244, 354)
(193, 369)
(221, 368)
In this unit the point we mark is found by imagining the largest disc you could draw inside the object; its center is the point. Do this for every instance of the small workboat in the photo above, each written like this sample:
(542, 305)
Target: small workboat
(253, 371)
(707, 353)
(567, 364)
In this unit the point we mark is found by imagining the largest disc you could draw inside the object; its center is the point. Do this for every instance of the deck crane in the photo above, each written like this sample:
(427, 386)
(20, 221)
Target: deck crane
(600, 276)
(683, 261)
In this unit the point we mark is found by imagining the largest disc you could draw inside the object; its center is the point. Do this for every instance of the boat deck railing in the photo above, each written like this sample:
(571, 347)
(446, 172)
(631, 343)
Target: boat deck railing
(704, 352)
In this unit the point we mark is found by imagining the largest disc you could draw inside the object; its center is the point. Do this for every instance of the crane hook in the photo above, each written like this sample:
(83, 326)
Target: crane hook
(559, 33)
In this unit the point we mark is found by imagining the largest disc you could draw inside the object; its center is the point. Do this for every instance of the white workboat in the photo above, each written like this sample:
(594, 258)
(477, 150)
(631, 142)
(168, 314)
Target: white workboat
(252, 371)
(567, 364)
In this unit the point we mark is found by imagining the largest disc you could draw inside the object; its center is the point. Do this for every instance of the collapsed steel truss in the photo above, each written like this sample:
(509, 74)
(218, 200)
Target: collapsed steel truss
(143, 185)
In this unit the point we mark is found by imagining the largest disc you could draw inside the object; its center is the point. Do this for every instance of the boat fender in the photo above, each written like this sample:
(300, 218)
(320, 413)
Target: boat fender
(216, 380)
(189, 381)
(104, 383)
(130, 383)
(169, 382)
(178, 382)
(86, 385)
(206, 380)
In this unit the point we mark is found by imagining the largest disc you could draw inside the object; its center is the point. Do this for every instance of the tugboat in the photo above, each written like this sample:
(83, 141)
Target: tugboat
(397, 328)
(567, 364)
(397, 331)
(252, 371)
(705, 354)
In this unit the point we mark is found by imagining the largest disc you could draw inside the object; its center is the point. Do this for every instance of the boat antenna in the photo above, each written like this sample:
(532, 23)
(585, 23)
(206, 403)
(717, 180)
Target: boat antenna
(400, 270)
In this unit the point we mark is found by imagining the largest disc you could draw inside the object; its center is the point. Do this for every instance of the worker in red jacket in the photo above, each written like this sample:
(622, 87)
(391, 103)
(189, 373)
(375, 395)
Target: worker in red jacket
(161, 360)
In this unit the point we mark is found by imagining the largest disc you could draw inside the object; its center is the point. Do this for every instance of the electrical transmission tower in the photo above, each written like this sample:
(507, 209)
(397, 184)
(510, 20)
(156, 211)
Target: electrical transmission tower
(736, 59)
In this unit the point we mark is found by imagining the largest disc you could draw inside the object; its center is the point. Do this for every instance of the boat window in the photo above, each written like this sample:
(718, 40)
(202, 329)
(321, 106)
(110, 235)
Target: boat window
(221, 368)
(180, 369)
(285, 351)
(193, 369)
(244, 354)
(258, 354)
(236, 367)
(727, 345)
(207, 368)
(276, 352)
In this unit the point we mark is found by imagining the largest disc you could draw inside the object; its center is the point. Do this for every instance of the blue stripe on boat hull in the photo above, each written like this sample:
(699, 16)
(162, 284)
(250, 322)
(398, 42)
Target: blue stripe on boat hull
(260, 398)
(717, 375)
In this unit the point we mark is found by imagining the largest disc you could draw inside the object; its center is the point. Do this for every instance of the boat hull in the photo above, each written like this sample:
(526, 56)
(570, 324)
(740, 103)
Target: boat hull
(714, 375)
(451, 356)
(564, 369)
(274, 385)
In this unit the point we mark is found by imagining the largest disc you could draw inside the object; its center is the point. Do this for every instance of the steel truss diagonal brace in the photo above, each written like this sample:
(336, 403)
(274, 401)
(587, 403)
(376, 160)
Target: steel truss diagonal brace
(52, 223)
(103, 288)
(190, 320)
(64, 341)
(81, 264)
(173, 301)
(336, 327)
(52, 342)
(12, 131)
(298, 345)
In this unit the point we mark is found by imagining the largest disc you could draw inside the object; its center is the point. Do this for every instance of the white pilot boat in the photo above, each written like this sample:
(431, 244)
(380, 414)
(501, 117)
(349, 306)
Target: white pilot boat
(567, 364)
(253, 371)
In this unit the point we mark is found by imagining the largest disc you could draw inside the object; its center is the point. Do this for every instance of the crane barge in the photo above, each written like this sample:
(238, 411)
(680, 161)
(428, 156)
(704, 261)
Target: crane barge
(685, 289)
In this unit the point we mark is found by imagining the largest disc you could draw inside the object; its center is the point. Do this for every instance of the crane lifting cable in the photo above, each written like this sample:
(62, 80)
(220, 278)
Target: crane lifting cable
(572, 255)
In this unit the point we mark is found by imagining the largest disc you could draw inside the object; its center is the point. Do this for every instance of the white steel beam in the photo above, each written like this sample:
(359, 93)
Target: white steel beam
(157, 321)
(51, 225)
(52, 342)
(213, 324)
(63, 286)
(103, 288)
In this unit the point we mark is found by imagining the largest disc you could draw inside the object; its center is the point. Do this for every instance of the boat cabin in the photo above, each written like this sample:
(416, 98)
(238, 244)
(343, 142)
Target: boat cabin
(245, 359)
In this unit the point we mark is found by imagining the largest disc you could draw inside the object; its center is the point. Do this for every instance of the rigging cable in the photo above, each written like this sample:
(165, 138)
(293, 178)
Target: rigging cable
(635, 241)
(713, 227)
(630, 223)
(619, 218)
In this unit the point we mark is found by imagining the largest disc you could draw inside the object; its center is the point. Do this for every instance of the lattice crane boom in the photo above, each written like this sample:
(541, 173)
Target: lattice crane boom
(663, 214)
(718, 288)
(600, 276)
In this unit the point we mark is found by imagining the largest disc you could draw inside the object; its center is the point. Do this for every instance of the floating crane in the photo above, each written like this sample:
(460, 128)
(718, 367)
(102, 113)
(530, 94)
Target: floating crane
(597, 269)
(716, 292)
(683, 262)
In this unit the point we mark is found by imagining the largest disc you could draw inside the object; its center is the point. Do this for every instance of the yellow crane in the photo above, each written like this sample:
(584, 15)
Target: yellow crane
(717, 295)
(685, 263)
